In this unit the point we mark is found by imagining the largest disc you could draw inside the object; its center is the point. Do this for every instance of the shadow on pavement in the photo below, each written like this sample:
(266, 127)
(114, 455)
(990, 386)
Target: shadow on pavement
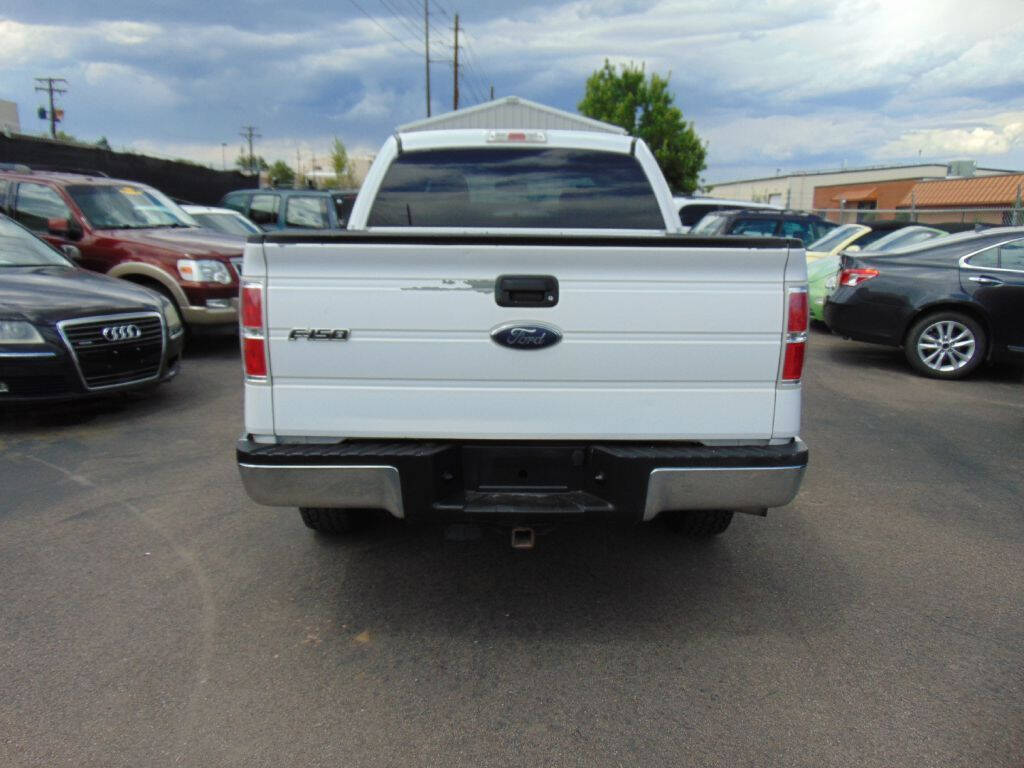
(587, 582)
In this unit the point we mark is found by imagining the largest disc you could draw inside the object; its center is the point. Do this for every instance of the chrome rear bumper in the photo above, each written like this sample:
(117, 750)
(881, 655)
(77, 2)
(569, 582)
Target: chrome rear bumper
(423, 479)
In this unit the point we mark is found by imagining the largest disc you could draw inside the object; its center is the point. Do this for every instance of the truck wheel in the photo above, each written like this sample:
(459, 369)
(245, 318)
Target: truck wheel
(334, 522)
(701, 524)
(945, 345)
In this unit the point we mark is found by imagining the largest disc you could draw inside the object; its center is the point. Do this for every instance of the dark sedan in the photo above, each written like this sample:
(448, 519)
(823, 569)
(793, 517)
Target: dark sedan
(67, 333)
(951, 303)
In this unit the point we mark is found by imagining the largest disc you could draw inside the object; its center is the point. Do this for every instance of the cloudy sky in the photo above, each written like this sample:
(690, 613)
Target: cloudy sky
(800, 85)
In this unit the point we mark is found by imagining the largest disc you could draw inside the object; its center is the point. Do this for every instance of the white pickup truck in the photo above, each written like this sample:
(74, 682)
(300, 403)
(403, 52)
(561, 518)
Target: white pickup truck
(513, 329)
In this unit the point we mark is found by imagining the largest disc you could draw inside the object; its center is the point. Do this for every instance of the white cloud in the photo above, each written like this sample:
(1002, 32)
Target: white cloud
(128, 83)
(998, 136)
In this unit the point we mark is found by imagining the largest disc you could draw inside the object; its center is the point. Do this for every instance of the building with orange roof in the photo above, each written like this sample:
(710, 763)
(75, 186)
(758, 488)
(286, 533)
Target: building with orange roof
(987, 199)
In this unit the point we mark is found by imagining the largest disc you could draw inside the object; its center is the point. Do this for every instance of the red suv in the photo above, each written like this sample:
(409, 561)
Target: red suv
(128, 230)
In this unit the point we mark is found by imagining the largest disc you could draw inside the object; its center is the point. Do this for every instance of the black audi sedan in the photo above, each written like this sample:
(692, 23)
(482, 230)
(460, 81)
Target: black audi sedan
(67, 333)
(951, 303)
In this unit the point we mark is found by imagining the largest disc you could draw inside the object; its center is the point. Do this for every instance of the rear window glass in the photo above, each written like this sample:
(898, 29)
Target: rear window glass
(1011, 255)
(505, 187)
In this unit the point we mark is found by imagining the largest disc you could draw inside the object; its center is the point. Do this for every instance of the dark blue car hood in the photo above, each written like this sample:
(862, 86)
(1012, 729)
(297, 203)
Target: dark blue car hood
(44, 295)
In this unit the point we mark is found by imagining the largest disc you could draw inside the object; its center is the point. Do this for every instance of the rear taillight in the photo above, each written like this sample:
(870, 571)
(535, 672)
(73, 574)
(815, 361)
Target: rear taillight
(796, 335)
(254, 350)
(854, 277)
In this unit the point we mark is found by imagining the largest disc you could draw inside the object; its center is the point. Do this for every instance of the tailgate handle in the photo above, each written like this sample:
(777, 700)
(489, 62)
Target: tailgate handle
(526, 291)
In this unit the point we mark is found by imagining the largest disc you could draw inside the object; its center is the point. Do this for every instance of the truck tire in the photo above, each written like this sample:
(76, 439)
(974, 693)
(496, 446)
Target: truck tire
(334, 522)
(700, 524)
(945, 345)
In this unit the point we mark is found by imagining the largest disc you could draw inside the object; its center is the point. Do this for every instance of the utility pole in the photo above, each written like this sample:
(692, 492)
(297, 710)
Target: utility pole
(426, 47)
(492, 93)
(249, 133)
(223, 155)
(455, 100)
(298, 166)
(51, 86)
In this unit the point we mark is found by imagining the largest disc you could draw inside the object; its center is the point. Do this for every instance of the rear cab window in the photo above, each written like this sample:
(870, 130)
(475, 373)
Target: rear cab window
(516, 188)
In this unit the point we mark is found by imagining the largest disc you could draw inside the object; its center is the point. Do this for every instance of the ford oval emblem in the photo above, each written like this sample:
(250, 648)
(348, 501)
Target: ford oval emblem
(526, 335)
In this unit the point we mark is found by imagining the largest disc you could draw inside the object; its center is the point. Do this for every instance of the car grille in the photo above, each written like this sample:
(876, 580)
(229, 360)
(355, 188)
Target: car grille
(115, 350)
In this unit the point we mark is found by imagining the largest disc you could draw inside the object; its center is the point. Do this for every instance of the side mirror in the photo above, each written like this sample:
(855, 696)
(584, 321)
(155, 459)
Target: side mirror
(71, 252)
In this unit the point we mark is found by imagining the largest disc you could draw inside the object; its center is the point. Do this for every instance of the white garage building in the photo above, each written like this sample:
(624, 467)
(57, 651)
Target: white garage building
(511, 112)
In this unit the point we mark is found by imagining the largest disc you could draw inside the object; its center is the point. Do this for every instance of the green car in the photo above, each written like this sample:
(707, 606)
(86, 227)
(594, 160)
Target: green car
(821, 281)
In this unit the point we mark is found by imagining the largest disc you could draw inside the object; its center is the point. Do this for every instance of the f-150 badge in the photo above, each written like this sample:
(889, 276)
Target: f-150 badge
(318, 334)
(526, 335)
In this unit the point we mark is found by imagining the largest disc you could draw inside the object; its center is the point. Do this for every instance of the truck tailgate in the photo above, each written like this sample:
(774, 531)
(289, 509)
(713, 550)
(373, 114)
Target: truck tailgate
(660, 341)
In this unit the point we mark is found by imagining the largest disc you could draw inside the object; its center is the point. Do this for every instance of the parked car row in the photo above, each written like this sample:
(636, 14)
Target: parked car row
(101, 278)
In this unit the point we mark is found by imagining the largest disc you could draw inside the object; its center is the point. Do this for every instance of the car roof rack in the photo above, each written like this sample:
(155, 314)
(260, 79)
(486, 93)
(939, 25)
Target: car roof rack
(68, 169)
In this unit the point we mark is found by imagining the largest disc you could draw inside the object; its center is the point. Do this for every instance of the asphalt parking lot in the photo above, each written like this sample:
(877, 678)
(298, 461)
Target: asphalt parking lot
(151, 615)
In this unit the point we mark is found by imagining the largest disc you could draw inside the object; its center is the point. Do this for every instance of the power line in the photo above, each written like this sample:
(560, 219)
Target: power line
(401, 18)
(384, 29)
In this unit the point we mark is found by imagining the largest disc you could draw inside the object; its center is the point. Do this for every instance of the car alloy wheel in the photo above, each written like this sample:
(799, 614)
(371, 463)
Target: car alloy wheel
(946, 346)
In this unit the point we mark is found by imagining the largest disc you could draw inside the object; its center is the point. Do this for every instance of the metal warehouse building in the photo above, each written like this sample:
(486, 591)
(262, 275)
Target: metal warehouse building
(511, 112)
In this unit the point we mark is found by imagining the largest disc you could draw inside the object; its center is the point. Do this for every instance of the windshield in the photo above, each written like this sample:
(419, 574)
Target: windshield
(19, 248)
(834, 238)
(228, 223)
(128, 206)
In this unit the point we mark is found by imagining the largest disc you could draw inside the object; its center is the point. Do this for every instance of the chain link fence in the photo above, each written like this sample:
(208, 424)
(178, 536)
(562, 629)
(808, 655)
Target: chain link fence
(989, 216)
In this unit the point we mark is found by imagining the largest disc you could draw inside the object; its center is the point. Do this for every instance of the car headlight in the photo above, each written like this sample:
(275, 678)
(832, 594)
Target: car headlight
(174, 326)
(19, 332)
(830, 283)
(204, 271)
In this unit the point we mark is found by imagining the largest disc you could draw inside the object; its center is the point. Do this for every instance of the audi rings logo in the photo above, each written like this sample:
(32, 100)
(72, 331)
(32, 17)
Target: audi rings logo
(121, 332)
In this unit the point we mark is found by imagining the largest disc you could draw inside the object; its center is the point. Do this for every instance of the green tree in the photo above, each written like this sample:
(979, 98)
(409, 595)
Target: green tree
(253, 164)
(643, 106)
(342, 166)
(281, 174)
